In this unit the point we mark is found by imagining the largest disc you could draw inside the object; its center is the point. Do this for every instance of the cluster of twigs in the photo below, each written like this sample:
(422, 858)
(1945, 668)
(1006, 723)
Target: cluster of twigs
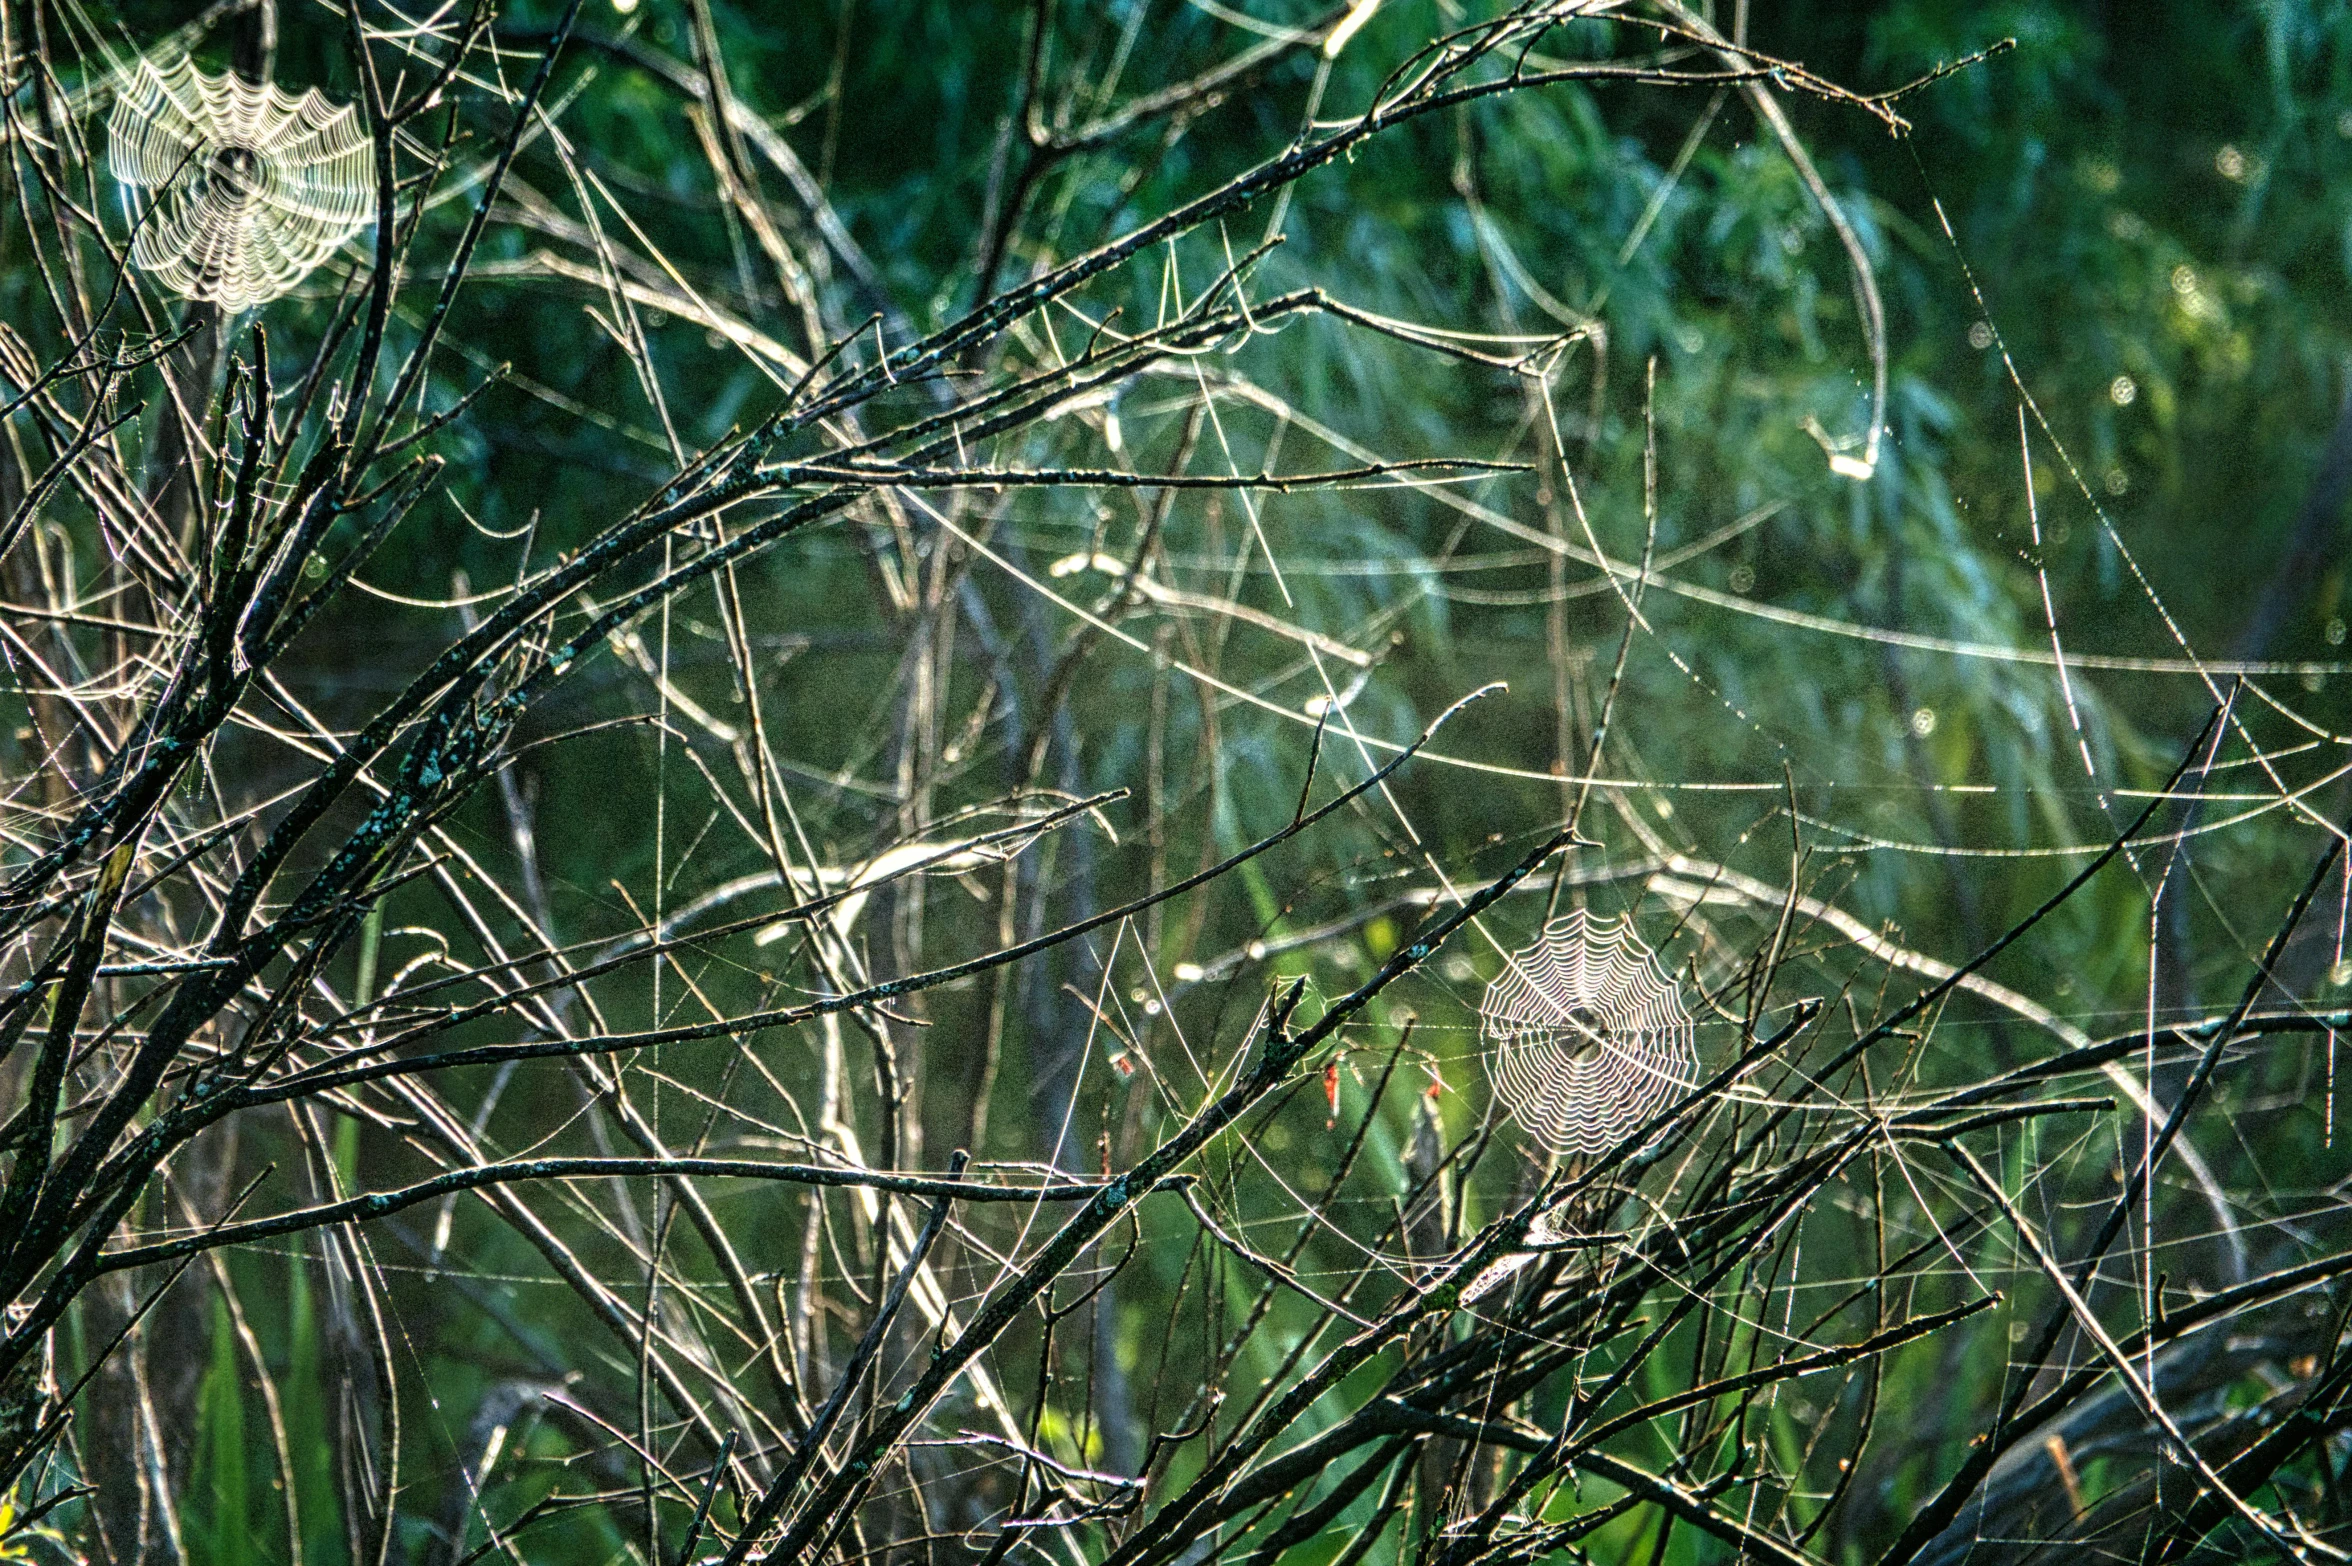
(290, 983)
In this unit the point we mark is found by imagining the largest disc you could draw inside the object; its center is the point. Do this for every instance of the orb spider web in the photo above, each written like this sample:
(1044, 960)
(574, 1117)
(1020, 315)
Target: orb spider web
(238, 191)
(1588, 1035)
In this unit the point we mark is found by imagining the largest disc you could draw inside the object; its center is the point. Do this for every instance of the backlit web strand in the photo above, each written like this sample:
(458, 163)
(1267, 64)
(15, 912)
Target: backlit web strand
(1587, 1034)
(243, 189)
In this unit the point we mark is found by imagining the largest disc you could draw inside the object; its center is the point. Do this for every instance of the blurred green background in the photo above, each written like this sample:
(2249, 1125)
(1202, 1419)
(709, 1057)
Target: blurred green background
(2149, 213)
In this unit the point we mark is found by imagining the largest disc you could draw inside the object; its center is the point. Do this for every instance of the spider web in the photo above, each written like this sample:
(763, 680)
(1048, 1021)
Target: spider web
(237, 190)
(1590, 1037)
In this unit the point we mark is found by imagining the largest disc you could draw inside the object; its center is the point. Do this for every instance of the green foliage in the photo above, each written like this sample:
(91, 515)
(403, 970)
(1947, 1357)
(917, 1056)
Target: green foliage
(303, 1389)
(227, 1483)
(2114, 259)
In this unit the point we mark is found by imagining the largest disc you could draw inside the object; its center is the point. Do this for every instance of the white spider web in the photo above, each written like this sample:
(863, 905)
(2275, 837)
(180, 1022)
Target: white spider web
(1589, 1036)
(238, 191)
